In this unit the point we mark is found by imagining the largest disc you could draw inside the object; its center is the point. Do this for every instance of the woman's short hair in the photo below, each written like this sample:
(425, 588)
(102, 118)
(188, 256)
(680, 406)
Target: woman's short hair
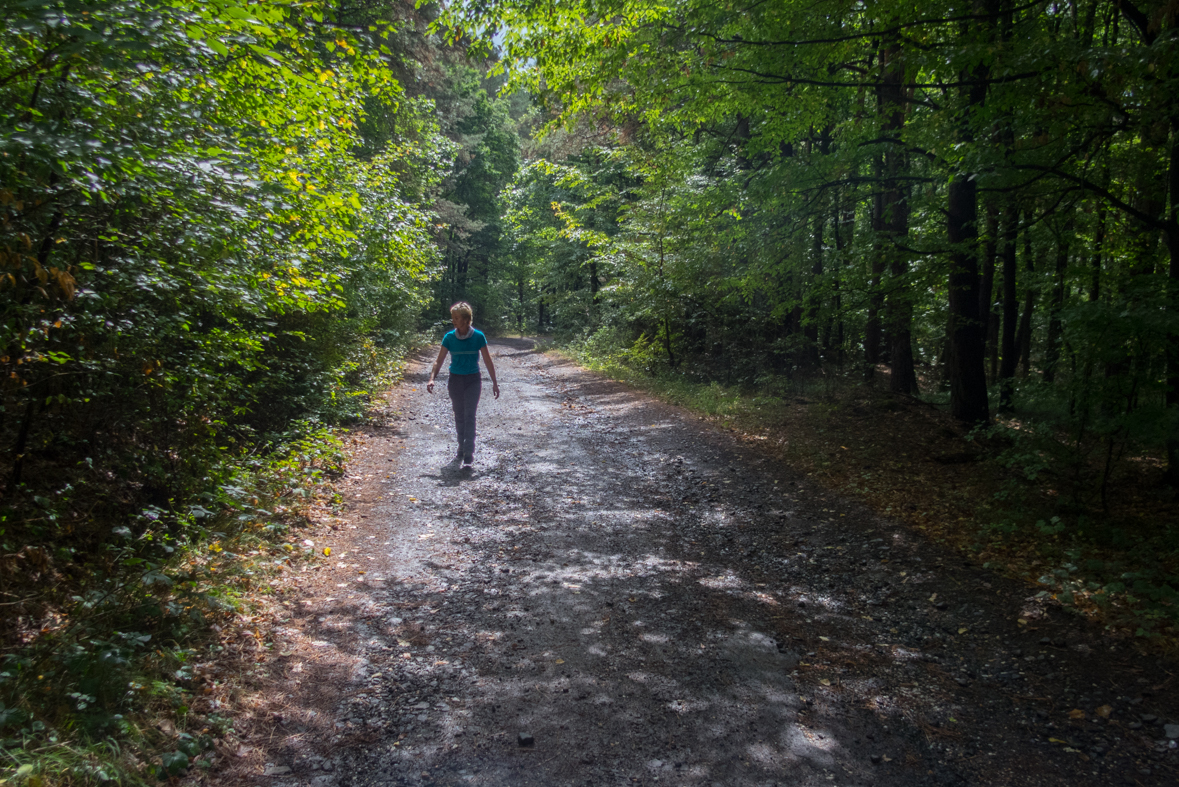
(463, 308)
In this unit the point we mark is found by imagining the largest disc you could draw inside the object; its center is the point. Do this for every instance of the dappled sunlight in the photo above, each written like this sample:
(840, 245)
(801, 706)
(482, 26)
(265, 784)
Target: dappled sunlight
(559, 625)
(726, 581)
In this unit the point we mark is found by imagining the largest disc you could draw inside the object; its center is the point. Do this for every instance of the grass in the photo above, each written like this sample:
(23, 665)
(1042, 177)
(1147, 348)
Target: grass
(1017, 497)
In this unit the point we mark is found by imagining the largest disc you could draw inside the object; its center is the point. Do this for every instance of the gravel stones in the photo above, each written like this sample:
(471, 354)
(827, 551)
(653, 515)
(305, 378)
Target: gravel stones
(568, 589)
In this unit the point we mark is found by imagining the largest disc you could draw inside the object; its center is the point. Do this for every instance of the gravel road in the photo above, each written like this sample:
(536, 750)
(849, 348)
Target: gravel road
(620, 594)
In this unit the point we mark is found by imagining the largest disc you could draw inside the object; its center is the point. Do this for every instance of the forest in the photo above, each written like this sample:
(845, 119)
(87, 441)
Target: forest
(225, 223)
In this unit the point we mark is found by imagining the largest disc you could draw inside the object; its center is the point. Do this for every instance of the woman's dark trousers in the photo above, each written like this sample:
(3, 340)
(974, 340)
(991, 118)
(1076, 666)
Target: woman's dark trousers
(464, 390)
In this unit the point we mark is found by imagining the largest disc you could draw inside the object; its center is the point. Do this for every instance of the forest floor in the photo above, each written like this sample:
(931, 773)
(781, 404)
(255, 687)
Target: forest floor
(619, 593)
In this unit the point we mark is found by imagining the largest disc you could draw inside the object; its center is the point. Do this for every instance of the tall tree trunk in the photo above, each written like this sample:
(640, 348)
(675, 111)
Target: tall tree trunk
(520, 315)
(671, 361)
(849, 217)
(968, 379)
(1172, 240)
(1098, 249)
(872, 327)
(1010, 311)
(595, 286)
(814, 295)
(1023, 337)
(894, 220)
(1055, 306)
(990, 252)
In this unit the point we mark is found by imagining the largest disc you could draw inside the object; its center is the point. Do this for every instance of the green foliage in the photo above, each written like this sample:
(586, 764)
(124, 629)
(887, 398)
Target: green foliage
(216, 239)
(193, 255)
(762, 194)
(482, 130)
(123, 651)
(763, 191)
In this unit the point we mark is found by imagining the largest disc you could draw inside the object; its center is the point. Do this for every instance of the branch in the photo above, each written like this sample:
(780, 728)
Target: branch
(786, 79)
(46, 55)
(1151, 221)
(891, 31)
(1136, 18)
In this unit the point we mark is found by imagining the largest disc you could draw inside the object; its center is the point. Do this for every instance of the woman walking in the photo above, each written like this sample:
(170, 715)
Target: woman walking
(464, 344)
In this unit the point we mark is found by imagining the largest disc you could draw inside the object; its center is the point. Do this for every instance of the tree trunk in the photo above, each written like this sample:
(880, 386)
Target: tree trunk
(1010, 311)
(813, 296)
(990, 251)
(1023, 337)
(894, 220)
(1172, 240)
(1098, 248)
(671, 361)
(872, 327)
(1055, 306)
(968, 378)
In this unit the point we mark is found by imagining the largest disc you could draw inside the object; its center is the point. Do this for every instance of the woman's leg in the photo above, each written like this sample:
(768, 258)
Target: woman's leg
(458, 401)
(474, 388)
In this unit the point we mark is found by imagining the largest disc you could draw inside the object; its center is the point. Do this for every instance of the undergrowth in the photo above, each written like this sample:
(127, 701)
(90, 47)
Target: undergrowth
(1021, 496)
(102, 673)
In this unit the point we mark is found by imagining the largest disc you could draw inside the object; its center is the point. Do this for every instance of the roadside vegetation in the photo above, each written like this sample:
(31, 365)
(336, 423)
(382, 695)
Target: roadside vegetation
(221, 225)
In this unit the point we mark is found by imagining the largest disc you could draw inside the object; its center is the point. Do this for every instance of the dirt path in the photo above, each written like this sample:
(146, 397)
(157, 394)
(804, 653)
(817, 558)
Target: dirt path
(617, 594)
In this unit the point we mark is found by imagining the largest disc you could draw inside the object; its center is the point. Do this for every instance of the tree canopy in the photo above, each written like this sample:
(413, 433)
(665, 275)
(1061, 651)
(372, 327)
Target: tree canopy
(982, 191)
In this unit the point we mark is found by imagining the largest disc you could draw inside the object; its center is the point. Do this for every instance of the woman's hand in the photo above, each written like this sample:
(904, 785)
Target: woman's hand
(434, 372)
(495, 389)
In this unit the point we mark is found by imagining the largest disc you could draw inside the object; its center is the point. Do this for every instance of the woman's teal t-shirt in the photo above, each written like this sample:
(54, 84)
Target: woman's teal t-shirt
(464, 353)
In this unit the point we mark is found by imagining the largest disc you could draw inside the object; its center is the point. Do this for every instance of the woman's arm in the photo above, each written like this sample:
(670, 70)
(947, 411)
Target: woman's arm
(434, 371)
(490, 372)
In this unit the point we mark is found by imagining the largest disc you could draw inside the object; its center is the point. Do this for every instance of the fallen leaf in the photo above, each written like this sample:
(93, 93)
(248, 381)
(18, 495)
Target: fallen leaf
(825, 639)
(963, 630)
(327, 551)
(933, 598)
(1076, 713)
(825, 682)
(559, 661)
(1056, 740)
(1104, 711)
(886, 758)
